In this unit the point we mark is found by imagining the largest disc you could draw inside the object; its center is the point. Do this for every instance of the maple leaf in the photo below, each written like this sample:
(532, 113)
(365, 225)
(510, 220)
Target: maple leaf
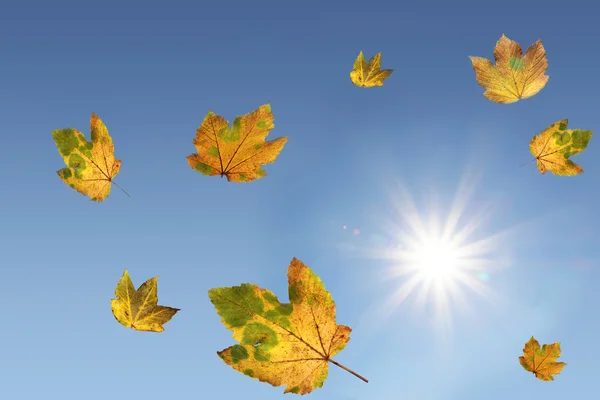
(542, 362)
(91, 166)
(514, 76)
(369, 74)
(138, 309)
(282, 344)
(553, 147)
(239, 151)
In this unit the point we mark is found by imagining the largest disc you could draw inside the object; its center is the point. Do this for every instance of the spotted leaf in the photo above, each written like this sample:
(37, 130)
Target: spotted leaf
(554, 145)
(282, 344)
(237, 152)
(91, 166)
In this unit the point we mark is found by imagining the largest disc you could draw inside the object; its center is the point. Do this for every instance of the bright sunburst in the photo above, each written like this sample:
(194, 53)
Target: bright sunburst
(439, 262)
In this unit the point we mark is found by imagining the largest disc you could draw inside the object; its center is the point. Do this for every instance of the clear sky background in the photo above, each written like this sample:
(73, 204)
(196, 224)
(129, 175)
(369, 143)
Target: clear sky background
(151, 70)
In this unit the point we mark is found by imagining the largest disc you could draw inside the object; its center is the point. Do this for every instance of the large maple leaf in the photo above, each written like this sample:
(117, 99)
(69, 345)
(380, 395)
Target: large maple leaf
(514, 76)
(237, 152)
(91, 166)
(555, 144)
(282, 344)
(541, 361)
(138, 309)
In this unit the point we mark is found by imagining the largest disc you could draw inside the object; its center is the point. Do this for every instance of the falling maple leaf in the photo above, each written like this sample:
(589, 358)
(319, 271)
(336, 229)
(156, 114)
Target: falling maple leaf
(91, 166)
(514, 76)
(542, 362)
(239, 151)
(282, 344)
(369, 74)
(138, 309)
(553, 147)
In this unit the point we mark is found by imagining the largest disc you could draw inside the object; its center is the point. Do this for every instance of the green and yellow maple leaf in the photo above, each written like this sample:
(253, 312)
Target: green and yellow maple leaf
(138, 309)
(237, 152)
(514, 76)
(282, 344)
(542, 361)
(554, 145)
(91, 166)
(369, 74)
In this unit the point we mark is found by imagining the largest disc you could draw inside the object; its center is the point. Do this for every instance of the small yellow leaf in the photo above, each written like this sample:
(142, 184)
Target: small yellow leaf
(514, 76)
(554, 145)
(542, 362)
(369, 74)
(91, 166)
(237, 152)
(138, 309)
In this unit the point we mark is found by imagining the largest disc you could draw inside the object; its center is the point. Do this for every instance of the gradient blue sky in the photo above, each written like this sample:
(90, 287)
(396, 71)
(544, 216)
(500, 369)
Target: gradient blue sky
(151, 70)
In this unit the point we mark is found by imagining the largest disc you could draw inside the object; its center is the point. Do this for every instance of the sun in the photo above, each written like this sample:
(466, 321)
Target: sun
(439, 262)
(436, 259)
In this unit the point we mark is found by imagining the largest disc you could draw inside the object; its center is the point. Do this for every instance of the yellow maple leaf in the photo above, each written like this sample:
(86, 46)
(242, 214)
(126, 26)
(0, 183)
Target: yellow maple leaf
(369, 74)
(541, 361)
(239, 151)
(138, 309)
(514, 76)
(554, 145)
(91, 166)
(282, 344)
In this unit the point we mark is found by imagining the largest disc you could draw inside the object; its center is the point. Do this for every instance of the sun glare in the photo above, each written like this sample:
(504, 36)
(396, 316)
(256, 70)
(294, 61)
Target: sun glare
(439, 260)
(436, 259)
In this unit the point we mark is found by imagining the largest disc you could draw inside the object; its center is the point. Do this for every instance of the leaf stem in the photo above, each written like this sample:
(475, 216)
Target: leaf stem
(349, 370)
(522, 165)
(115, 183)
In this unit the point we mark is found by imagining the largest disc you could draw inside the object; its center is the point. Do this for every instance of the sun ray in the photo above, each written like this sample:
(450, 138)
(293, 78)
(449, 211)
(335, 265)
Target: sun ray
(441, 263)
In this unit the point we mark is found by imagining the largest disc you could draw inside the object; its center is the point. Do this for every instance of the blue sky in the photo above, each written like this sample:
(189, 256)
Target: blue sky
(151, 71)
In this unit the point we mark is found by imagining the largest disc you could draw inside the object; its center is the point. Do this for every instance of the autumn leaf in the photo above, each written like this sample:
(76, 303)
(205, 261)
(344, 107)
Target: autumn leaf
(514, 76)
(542, 362)
(369, 74)
(237, 152)
(553, 147)
(282, 344)
(138, 309)
(91, 166)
